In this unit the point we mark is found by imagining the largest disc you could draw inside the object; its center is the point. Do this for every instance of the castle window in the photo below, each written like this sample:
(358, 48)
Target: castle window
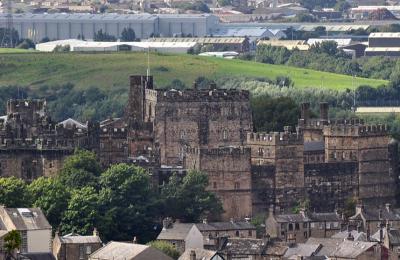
(237, 185)
(225, 134)
(182, 134)
(237, 233)
(297, 226)
(260, 151)
(290, 226)
(50, 165)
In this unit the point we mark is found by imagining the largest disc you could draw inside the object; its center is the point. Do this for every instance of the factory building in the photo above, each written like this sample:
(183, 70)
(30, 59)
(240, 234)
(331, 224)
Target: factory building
(62, 26)
(383, 44)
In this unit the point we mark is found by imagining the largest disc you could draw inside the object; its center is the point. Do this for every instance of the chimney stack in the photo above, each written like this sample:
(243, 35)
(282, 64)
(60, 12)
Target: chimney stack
(192, 255)
(167, 223)
(323, 111)
(305, 111)
(95, 232)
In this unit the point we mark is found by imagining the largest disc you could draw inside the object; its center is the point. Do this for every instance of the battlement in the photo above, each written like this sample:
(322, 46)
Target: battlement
(222, 151)
(208, 95)
(355, 130)
(275, 138)
(24, 105)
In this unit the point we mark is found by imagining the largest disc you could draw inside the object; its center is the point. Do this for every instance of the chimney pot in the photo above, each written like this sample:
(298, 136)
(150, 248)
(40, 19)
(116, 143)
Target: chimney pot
(95, 232)
(192, 255)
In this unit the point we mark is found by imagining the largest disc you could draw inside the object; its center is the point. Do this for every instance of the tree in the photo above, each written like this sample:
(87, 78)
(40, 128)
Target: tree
(129, 203)
(166, 248)
(272, 114)
(101, 36)
(12, 242)
(82, 214)
(80, 169)
(13, 193)
(50, 195)
(187, 198)
(128, 35)
(26, 44)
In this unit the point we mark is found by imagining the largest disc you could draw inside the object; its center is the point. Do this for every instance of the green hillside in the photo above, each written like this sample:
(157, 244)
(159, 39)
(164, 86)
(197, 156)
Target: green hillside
(112, 69)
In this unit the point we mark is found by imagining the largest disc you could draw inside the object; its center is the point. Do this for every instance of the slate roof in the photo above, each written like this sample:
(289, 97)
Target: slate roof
(358, 236)
(37, 256)
(373, 214)
(302, 250)
(244, 246)
(178, 231)
(25, 219)
(225, 226)
(72, 122)
(276, 249)
(77, 239)
(329, 245)
(394, 236)
(128, 251)
(352, 249)
(314, 146)
(201, 254)
(320, 217)
(284, 218)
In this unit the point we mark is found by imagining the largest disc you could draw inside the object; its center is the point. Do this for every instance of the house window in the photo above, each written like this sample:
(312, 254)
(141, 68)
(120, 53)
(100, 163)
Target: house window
(237, 185)
(214, 185)
(290, 226)
(225, 134)
(88, 250)
(312, 225)
(305, 235)
(81, 252)
(50, 165)
(297, 226)
(237, 233)
(304, 225)
(250, 233)
(260, 151)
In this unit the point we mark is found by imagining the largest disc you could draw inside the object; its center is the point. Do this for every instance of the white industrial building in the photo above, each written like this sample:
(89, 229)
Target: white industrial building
(91, 46)
(62, 26)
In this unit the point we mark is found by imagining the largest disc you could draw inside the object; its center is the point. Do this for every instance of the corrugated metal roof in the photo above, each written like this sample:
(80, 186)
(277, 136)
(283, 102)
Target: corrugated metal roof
(384, 35)
(201, 40)
(382, 49)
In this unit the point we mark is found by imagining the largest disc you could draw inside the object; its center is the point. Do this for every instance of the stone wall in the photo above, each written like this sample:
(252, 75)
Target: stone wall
(229, 174)
(200, 119)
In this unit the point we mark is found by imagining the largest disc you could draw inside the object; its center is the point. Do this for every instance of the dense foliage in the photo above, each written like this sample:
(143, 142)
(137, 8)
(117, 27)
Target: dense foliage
(166, 248)
(120, 201)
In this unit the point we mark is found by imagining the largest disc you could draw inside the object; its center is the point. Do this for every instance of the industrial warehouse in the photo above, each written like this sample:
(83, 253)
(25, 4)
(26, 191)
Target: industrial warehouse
(62, 26)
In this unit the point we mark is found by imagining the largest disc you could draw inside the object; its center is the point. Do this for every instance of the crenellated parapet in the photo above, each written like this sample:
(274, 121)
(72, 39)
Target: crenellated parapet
(207, 95)
(356, 130)
(222, 151)
(274, 138)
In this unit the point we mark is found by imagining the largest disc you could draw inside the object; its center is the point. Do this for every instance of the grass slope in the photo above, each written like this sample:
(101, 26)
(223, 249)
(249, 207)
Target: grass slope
(112, 69)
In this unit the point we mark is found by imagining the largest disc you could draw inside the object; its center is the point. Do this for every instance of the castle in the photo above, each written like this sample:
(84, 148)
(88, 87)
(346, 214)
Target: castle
(322, 161)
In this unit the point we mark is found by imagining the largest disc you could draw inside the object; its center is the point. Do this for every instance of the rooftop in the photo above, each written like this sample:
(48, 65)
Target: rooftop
(78, 239)
(24, 219)
(178, 231)
(127, 251)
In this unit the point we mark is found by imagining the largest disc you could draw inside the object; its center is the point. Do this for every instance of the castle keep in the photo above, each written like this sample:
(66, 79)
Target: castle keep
(322, 161)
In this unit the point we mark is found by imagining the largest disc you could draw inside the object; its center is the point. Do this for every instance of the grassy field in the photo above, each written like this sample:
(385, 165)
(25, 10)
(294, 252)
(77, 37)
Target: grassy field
(112, 69)
(14, 50)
